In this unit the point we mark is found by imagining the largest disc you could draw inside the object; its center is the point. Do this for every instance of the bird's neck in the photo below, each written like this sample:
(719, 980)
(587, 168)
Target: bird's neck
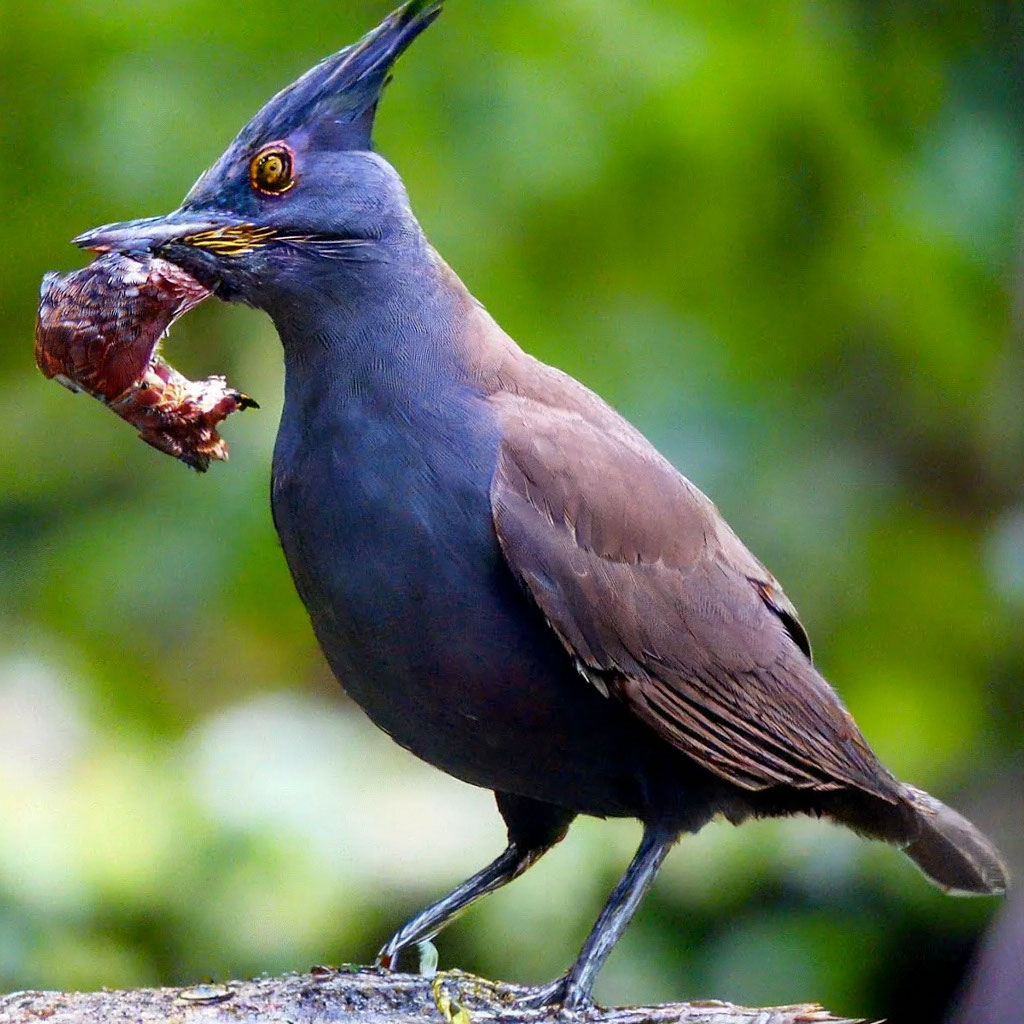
(387, 329)
(349, 317)
(386, 374)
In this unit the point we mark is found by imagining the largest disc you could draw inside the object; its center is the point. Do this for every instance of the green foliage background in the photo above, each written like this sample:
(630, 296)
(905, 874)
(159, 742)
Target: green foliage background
(782, 236)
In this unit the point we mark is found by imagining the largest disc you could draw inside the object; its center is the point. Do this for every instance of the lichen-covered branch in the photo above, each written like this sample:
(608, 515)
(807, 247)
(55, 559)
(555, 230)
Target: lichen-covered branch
(363, 996)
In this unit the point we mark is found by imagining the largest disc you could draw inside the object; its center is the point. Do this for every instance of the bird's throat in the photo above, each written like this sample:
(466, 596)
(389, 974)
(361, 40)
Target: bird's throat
(391, 329)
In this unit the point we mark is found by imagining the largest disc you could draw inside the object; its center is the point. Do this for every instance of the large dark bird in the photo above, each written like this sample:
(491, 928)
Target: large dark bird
(506, 575)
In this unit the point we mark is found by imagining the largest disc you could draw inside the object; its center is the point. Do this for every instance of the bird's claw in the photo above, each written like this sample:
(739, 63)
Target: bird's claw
(387, 956)
(563, 992)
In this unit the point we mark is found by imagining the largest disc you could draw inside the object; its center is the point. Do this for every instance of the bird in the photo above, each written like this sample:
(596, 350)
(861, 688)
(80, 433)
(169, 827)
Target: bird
(502, 571)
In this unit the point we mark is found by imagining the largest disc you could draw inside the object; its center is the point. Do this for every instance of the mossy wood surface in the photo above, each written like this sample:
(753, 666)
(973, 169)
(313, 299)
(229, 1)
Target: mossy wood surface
(365, 996)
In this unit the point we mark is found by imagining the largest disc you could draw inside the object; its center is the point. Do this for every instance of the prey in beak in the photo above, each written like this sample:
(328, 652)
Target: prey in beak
(98, 331)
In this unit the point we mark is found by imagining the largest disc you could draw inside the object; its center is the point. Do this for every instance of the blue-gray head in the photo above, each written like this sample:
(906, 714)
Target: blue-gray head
(299, 188)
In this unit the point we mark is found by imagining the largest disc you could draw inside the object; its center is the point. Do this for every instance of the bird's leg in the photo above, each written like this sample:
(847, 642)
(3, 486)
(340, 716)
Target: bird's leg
(533, 828)
(428, 922)
(573, 989)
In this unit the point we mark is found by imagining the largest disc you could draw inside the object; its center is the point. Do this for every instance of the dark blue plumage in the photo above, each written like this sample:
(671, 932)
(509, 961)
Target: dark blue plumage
(504, 573)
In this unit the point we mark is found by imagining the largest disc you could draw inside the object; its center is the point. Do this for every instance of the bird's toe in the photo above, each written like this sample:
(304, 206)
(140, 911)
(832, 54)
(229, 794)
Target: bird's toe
(562, 992)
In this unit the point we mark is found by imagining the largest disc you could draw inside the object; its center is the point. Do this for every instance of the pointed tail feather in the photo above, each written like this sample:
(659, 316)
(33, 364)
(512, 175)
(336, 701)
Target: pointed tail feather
(951, 852)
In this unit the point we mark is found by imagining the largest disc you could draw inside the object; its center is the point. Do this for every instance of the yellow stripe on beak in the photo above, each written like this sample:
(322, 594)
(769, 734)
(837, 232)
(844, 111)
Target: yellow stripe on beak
(234, 240)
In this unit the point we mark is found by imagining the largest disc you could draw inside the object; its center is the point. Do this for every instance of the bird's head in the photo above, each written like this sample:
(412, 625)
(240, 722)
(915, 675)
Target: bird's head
(299, 189)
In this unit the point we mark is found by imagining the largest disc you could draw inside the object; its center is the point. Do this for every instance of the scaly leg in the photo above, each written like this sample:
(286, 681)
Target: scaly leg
(533, 828)
(573, 989)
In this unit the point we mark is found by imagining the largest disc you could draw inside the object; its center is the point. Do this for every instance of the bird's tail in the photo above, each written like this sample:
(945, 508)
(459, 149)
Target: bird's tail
(950, 851)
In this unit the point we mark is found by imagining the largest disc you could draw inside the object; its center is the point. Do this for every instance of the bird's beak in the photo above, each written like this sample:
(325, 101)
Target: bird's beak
(216, 233)
(148, 234)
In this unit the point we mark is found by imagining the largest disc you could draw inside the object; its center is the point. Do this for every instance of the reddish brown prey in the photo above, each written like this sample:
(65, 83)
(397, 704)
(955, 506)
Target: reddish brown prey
(504, 573)
(98, 331)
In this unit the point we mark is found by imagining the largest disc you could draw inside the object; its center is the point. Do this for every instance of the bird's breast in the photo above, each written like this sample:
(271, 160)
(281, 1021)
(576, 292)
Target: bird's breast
(381, 496)
(386, 524)
(384, 517)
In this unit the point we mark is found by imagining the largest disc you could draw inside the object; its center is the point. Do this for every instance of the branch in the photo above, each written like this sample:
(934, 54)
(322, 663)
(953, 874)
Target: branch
(364, 996)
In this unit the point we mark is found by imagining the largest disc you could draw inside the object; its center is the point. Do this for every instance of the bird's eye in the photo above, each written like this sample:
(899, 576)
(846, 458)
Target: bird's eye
(272, 169)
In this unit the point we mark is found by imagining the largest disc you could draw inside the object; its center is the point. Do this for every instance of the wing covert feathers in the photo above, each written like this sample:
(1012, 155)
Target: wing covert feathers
(652, 592)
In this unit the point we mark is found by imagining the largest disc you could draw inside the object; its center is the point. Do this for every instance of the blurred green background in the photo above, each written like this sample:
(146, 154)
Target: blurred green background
(783, 237)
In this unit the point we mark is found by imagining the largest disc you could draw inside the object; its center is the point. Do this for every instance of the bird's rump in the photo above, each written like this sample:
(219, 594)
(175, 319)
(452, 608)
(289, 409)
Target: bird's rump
(659, 603)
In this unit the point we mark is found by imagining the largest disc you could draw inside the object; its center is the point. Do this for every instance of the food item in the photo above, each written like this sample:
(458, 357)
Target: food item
(98, 331)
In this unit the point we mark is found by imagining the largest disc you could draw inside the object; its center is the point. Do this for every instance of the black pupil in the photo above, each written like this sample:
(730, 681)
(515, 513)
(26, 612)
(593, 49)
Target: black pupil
(273, 170)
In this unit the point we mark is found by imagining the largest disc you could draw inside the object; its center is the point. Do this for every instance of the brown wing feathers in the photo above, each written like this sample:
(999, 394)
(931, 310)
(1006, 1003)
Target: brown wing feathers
(647, 586)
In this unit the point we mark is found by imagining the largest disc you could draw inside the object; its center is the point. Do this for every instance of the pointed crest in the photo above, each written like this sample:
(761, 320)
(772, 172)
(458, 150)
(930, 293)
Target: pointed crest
(337, 99)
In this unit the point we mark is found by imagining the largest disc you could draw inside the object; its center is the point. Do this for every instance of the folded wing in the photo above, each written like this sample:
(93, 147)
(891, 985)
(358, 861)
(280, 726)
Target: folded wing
(662, 606)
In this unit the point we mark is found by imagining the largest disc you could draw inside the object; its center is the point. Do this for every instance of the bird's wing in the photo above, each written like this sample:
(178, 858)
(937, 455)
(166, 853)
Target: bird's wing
(661, 605)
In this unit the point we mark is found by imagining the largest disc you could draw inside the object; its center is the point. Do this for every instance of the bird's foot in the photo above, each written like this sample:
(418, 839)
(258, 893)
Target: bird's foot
(387, 958)
(564, 992)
